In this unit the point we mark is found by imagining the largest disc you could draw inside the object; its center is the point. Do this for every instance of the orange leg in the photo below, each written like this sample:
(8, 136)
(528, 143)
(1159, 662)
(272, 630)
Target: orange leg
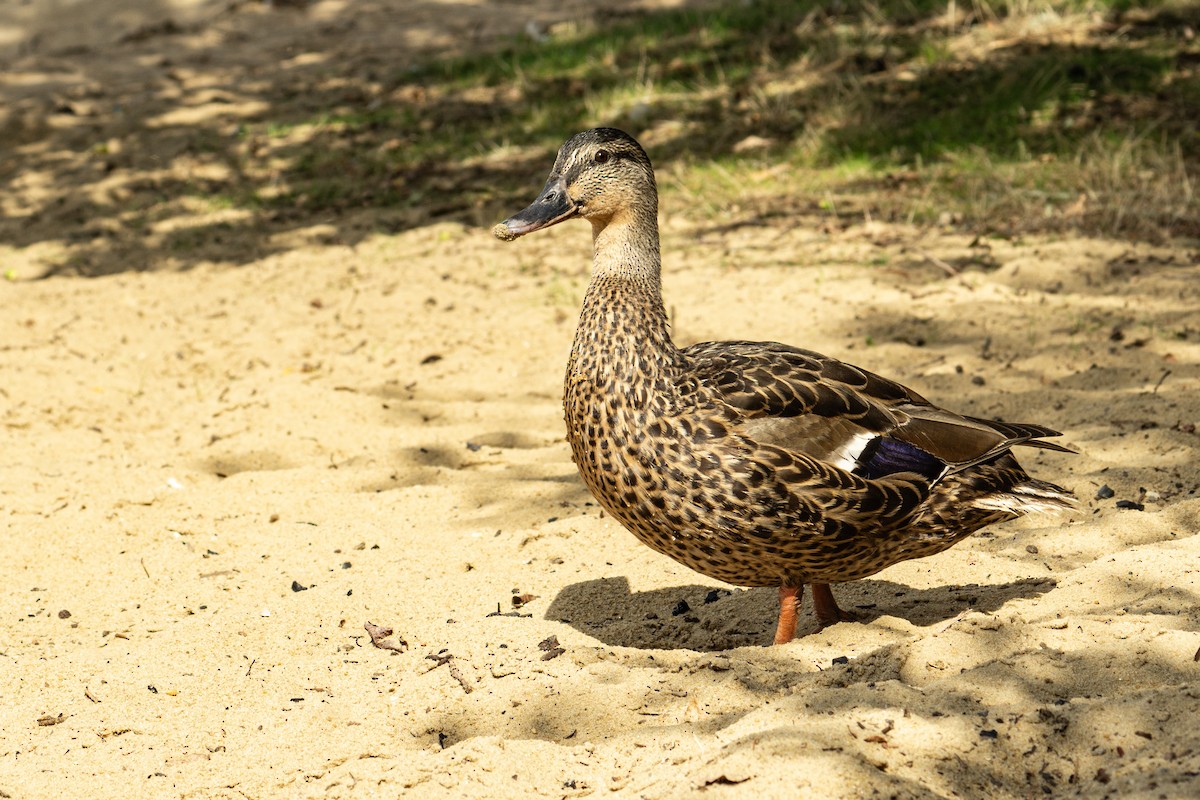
(826, 608)
(789, 604)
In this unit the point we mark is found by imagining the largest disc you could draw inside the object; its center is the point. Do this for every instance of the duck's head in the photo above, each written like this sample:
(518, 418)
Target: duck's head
(598, 175)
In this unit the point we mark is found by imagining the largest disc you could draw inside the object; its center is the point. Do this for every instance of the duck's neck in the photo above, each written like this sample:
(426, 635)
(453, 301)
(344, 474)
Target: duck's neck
(626, 246)
(623, 336)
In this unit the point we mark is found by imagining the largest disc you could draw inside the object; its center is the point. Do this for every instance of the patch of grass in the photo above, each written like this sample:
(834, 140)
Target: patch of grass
(985, 107)
(1037, 100)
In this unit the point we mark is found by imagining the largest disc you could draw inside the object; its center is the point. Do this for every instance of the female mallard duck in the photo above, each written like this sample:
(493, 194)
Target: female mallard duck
(754, 463)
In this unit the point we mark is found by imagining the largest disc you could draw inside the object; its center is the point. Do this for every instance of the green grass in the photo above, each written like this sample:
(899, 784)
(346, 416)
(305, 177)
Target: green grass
(1000, 128)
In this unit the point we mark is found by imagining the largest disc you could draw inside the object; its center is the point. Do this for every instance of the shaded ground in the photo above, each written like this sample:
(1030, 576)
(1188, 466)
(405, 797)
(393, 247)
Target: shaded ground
(143, 135)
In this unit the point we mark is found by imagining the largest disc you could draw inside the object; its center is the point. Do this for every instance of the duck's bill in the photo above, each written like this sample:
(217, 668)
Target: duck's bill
(551, 207)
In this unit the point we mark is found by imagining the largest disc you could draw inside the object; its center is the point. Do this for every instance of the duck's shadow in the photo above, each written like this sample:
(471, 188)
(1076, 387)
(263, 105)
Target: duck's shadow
(707, 618)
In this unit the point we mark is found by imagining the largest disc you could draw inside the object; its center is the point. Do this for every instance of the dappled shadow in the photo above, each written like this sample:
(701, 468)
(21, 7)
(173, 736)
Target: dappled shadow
(950, 717)
(181, 137)
(225, 465)
(557, 486)
(708, 618)
(179, 142)
(1129, 351)
(472, 459)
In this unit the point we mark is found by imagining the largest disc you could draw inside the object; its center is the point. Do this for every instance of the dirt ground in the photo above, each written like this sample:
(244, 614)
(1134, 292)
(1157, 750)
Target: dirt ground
(221, 464)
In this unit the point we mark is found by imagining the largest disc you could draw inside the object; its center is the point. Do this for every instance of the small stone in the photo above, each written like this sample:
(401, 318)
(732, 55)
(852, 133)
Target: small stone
(1104, 492)
(680, 608)
(841, 660)
(1130, 504)
(989, 733)
(298, 587)
(551, 648)
(1032, 549)
(712, 597)
(64, 614)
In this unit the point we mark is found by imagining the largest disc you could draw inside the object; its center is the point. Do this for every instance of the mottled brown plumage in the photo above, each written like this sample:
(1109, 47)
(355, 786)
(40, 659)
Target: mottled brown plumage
(755, 463)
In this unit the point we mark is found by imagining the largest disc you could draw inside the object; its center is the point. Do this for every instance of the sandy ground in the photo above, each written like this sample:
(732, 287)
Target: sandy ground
(214, 477)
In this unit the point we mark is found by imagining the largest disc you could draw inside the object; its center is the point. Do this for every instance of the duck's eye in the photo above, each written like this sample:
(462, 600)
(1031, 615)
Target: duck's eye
(601, 157)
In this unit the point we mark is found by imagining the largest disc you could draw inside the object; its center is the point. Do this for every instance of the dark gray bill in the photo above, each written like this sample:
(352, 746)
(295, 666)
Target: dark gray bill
(551, 207)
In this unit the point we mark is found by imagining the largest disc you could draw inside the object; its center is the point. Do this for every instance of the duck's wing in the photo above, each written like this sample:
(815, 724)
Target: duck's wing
(808, 403)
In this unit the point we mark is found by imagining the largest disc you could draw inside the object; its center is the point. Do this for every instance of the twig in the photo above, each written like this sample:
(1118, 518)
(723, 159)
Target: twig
(499, 613)
(439, 659)
(445, 657)
(1160, 381)
(458, 676)
(937, 262)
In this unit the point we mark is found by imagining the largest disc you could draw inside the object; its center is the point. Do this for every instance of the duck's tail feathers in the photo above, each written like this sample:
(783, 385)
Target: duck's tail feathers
(1029, 497)
(1025, 434)
(1042, 443)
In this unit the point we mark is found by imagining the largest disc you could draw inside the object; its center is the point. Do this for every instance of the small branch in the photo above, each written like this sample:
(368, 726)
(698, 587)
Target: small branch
(445, 657)
(937, 262)
(458, 676)
(499, 613)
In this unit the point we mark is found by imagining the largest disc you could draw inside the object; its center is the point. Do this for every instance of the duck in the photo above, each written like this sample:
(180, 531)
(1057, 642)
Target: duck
(757, 464)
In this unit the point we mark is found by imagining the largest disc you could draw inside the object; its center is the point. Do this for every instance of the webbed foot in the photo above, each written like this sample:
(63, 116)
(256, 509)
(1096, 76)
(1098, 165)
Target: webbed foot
(825, 608)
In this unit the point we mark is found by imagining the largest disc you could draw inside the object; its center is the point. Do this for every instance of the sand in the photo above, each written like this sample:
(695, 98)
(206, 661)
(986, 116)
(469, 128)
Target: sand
(215, 474)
